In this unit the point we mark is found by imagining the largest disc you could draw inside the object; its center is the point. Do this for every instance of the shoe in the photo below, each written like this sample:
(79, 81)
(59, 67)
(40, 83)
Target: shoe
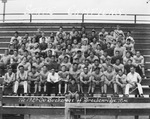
(15, 94)
(116, 95)
(25, 94)
(126, 96)
(141, 96)
(59, 94)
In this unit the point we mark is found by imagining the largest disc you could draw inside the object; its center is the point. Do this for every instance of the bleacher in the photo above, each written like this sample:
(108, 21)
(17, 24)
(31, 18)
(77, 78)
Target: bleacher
(11, 104)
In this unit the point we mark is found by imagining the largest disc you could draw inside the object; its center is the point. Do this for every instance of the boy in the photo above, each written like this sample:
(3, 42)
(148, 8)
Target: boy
(73, 90)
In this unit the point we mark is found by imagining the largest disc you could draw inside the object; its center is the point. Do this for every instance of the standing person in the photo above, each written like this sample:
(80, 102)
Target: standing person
(22, 77)
(52, 81)
(134, 80)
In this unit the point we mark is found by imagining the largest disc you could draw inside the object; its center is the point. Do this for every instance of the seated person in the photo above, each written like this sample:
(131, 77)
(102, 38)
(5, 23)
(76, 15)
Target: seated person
(138, 61)
(117, 66)
(73, 90)
(4, 61)
(97, 78)
(110, 80)
(128, 66)
(22, 77)
(85, 80)
(52, 81)
(75, 74)
(43, 77)
(64, 79)
(9, 79)
(121, 80)
(133, 81)
(33, 79)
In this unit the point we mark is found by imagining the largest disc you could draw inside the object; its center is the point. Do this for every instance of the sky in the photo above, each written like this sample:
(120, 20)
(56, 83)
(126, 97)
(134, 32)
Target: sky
(77, 6)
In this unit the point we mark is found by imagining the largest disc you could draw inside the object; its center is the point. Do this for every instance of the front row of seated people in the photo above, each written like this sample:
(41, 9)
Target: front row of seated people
(49, 79)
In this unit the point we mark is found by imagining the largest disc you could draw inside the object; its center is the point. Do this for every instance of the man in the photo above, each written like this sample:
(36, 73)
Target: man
(22, 77)
(9, 78)
(138, 61)
(110, 80)
(64, 79)
(16, 36)
(121, 80)
(97, 78)
(52, 81)
(75, 74)
(85, 80)
(33, 78)
(134, 80)
(43, 77)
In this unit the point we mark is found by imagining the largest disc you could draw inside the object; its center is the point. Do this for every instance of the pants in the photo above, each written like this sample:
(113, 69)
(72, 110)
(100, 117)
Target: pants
(24, 83)
(128, 86)
(49, 87)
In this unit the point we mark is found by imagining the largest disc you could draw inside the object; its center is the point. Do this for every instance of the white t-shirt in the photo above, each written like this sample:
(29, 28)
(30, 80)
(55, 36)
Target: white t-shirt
(131, 78)
(54, 78)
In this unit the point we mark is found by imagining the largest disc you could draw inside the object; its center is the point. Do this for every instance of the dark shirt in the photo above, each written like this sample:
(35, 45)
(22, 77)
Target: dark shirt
(54, 65)
(113, 60)
(110, 52)
(73, 88)
(43, 46)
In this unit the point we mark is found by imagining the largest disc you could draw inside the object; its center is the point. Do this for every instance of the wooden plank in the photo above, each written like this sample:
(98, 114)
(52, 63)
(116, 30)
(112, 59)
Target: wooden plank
(111, 112)
(108, 105)
(33, 110)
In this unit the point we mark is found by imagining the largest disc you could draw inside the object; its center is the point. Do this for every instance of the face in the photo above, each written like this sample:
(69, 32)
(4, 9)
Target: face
(9, 71)
(53, 71)
(85, 70)
(117, 61)
(63, 68)
(33, 70)
(6, 52)
(96, 63)
(21, 69)
(120, 72)
(75, 41)
(132, 69)
(91, 54)
(109, 69)
(138, 53)
(75, 66)
(16, 34)
(44, 68)
(129, 62)
(127, 54)
(97, 71)
(103, 30)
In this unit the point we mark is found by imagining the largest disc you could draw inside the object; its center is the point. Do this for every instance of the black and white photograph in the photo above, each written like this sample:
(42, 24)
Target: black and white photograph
(74, 59)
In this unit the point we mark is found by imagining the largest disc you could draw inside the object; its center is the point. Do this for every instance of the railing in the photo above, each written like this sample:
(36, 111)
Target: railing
(75, 17)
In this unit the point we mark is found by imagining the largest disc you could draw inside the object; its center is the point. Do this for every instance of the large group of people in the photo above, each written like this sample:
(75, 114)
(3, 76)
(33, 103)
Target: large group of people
(69, 61)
